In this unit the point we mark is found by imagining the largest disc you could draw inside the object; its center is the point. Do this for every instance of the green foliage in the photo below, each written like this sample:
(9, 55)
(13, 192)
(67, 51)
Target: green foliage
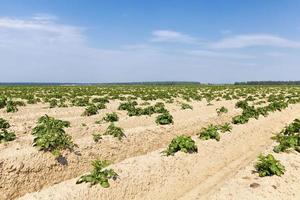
(181, 143)
(99, 174)
(164, 119)
(101, 106)
(127, 105)
(2, 101)
(211, 132)
(6, 136)
(4, 124)
(97, 137)
(115, 131)
(268, 166)
(242, 104)
(11, 107)
(185, 106)
(49, 135)
(225, 127)
(289, 138)
(240, 119)
(111, 117)
(222, 110)
(102, 100)
(53, 103)
(160, 108)
(90, 110)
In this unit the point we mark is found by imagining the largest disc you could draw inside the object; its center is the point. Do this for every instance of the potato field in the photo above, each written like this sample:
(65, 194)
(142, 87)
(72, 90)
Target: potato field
(152, 142)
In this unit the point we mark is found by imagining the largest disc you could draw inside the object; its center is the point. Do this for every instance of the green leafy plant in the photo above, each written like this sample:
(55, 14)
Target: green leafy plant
(49, 135)
(225, 127)
(11, 107)
(115, 131)
(53, 103)
(97, 137)
(4, 124)
(185, 106)
(181, 143)
(90, 110)
(111, 117)
(99, 175)
(222, 110)
(2, 101)
(6, 136)
(268, 166)
(211, 132)
(164, 119)
(288, 138)
(240, 119)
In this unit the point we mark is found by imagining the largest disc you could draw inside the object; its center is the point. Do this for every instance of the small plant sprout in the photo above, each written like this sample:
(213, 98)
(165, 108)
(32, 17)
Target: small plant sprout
(222, 110)
(97, 137)
(181, 143)
(99, 175)
(225, 127)
(185, 106)
(268, 166)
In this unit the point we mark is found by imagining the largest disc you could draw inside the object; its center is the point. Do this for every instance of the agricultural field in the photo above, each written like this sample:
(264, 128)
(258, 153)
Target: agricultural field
(132, 142)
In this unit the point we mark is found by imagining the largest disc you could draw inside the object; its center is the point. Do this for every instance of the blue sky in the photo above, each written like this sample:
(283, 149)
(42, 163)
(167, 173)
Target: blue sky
(137, 40)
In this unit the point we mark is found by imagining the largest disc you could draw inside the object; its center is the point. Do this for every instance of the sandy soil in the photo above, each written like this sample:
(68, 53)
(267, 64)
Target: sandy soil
(24, 169)
(191, 176)
(246, 184)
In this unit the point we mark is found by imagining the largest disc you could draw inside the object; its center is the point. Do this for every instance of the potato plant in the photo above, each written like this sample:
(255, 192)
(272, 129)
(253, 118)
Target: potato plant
(268, 166)
(115, 131)
(211, 132)
(288, 138)
(49, 135)
(164, 119)
(90, 110)
(111, 117)
(5, 135)
(181, 143)
(99, 175)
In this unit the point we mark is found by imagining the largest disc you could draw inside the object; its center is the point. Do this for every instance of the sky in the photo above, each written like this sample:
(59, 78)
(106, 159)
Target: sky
(219, 41)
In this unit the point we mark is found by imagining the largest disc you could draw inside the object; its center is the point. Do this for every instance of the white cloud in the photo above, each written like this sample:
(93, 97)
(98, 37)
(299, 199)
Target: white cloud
(172, 36)
(43, 29)
(243, 41)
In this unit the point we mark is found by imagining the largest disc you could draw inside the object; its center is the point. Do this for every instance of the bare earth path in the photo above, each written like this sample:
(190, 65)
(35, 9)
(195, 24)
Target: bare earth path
(183, 176)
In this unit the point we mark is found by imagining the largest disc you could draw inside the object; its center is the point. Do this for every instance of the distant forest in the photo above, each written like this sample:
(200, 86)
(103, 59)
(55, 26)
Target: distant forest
(268, 83)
